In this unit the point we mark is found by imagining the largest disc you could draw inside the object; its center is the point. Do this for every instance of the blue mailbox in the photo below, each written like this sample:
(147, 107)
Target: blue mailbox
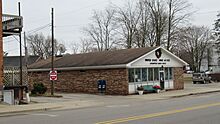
(101, 86)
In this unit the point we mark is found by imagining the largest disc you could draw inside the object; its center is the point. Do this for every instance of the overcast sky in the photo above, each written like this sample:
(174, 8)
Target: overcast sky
(72, 15)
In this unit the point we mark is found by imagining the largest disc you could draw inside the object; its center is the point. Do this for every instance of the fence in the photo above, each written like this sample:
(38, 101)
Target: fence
(12, 76)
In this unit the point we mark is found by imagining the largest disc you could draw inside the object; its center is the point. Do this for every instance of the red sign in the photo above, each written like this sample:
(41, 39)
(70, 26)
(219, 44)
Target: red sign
(53, 75)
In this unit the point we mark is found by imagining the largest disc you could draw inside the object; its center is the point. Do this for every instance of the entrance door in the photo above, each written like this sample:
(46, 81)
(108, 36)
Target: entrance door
(162, 79)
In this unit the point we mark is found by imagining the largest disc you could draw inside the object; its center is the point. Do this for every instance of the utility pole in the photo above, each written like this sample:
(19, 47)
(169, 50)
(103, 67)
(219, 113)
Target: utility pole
(19, 10)
(52, 58)
(25, 50)
(169, 24)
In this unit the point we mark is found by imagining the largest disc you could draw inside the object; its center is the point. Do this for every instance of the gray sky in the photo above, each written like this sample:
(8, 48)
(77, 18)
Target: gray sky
(72, 15)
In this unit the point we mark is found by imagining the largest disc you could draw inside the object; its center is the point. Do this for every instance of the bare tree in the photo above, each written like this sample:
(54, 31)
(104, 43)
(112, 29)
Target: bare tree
(193, 43)
(61, 49)
(144, 29)
(128, 17)
(178, 12)
(102, 29)
(86, 46)
(74, 48)
(41, 46)
(158, 18)
(36, 44)
(216, 36)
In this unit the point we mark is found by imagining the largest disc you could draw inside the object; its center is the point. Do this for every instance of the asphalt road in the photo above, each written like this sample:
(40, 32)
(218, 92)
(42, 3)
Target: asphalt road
(201, 109)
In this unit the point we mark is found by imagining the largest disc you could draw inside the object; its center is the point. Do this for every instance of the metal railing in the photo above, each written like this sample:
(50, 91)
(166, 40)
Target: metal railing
(11, 24)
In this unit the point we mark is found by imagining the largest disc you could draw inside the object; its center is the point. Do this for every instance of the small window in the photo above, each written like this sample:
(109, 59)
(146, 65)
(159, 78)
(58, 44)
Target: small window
(150, 74)
(156, 74)
(170, 73)
(131, 75)
(137, 75)
(166, 74)
(144, 74)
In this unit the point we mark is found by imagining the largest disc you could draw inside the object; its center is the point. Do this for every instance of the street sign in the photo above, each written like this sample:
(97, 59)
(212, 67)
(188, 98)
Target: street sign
(53, 75)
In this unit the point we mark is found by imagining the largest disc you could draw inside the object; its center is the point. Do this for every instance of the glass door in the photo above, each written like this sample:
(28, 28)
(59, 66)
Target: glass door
(162, 79)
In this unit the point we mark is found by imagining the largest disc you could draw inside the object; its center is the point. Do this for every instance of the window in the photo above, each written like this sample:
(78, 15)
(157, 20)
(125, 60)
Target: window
(156, 74)
(137, 75)
(166, 74)
(170, 73)
(144, 74)
(150, 74)
(131, 75)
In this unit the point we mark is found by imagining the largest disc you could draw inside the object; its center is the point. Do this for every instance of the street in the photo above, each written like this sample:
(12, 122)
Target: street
(198, 109)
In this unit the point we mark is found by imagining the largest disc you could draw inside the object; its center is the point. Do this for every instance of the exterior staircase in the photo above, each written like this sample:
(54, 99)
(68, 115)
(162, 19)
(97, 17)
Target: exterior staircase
(11, 24)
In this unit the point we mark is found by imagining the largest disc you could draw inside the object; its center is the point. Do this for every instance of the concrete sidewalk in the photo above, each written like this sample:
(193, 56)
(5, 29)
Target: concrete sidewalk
(190, 89)
(74, 101)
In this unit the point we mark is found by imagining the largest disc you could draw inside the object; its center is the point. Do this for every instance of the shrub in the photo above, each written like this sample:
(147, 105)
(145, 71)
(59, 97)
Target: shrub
(38, 88)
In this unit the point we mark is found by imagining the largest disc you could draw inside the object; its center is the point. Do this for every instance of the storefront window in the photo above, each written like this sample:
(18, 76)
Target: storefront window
(144, 74)
(137, 75)
(150, 74)
(131, 75)
(156, 74)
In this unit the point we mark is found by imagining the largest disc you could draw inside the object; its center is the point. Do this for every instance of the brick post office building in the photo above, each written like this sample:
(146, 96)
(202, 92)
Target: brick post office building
(122, 70)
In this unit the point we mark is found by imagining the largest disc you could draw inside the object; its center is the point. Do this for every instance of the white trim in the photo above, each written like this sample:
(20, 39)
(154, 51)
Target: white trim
(130, 63)
(175, 56)
(80, 68)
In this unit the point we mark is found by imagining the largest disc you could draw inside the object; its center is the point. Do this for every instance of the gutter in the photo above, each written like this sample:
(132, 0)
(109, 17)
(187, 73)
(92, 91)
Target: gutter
(80, 68)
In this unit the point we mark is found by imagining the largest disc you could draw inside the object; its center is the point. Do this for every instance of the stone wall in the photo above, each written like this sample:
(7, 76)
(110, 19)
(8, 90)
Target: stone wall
(178, 78)
(85, 81)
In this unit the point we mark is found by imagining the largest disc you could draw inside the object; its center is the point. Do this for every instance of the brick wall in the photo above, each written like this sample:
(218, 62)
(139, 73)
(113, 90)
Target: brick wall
(178, 78)
(85, 81)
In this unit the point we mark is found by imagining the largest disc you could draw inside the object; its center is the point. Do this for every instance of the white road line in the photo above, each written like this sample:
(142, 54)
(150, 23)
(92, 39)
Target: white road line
(117, 106)
(49, 115)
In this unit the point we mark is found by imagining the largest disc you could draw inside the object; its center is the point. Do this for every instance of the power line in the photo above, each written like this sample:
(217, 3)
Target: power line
(8, 41)
(82, 8)
(70, 12)
(63, 26)
(10, 50)
(208, 12)
(38, 29)
(18, 40)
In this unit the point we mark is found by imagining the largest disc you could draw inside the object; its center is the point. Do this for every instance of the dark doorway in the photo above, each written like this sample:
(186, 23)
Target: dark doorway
(162, 79)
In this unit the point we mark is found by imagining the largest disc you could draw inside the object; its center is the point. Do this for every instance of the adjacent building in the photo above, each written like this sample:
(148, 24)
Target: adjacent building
(121, 70)
(11, 25)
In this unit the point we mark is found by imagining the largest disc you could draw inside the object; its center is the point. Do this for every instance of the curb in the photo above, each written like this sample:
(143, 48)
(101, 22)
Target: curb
(21, 112)
(191, 94)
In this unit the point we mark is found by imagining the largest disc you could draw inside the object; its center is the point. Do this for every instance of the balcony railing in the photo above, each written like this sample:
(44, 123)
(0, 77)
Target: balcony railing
(11, 24)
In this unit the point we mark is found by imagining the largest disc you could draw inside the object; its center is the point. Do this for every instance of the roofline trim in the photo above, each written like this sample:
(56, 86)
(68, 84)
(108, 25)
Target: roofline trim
(130, 63)
(81, 68)
(175, 56)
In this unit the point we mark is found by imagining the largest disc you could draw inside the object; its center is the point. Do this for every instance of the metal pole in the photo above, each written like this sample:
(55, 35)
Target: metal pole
(52, 58)
(25, 50)
(169, 25)
(19, 10)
